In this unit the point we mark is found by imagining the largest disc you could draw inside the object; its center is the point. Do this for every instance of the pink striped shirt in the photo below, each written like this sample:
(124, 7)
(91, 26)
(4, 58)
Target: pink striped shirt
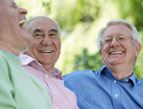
(61, 97)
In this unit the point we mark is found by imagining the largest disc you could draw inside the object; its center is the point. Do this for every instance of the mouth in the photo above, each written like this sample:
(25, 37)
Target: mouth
(21, 23)
(48, 51)
(116, 53)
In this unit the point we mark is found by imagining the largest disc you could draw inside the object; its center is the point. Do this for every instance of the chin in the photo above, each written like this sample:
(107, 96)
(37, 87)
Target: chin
(115, 62)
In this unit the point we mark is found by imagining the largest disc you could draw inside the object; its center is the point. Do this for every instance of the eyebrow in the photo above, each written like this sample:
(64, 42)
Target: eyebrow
(110, 35)
(14, 4)
(53, 30)
(36, 30)
(41, 31)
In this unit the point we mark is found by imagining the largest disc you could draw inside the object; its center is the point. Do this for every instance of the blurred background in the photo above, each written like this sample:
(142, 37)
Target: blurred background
(80, 21)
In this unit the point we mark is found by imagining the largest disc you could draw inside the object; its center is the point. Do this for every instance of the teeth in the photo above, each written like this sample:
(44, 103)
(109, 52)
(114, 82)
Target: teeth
(112, 53)
(22, 22)
(50, 51)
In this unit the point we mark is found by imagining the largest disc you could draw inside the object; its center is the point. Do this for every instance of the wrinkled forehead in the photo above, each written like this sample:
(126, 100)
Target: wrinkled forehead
(117, 29)
(41, 22)
(44, 24)
(6, 2)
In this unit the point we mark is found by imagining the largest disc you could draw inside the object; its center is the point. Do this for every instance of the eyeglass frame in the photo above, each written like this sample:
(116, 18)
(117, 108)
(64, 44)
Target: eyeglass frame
(118, 38)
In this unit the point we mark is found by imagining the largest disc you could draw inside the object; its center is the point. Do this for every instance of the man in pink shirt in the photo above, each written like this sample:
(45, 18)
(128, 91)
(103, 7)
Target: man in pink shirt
(40, 57)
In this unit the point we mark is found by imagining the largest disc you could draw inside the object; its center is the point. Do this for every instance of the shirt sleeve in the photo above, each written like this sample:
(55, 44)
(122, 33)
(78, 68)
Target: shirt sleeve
(6, 88)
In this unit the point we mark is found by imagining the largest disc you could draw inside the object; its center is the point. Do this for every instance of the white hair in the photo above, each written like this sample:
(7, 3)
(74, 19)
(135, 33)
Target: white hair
(135, 34)
(32, 19)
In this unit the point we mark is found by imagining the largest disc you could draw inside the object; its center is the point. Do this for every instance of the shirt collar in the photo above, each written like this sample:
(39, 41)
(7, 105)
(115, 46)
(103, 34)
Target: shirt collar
(57, 73)
(27, 60)
(133, 79)
(130, 78)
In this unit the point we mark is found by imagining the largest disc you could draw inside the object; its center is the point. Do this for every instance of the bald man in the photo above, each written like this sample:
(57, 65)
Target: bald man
(18, 89)
(40, 57)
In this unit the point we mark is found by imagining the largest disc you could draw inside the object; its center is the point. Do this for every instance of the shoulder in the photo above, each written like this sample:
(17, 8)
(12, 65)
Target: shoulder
(77, 74)
(2, 56)
(139, 82)
(81, 75)
(6, 57)
(3, 59)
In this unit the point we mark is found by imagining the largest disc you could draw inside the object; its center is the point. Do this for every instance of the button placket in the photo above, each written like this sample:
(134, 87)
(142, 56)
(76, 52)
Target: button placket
(115, 93)
(46, 77)
(114, 81)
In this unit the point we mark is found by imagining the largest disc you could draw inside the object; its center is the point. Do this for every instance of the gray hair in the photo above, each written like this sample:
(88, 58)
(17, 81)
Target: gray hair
(32, 19)
(135, 34)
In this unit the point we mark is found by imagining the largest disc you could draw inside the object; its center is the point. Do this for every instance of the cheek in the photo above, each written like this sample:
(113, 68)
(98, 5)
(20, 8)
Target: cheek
(130, 49)
(57, 44)
(102, 53)
(35, 43)
(33, 46)
(105, 50)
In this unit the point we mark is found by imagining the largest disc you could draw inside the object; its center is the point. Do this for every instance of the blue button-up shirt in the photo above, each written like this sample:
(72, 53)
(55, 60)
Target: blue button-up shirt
(101, 90)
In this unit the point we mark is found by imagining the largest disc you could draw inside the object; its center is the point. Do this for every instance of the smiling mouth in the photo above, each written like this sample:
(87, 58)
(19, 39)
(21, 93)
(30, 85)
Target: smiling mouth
(49, 51)
(21, 23)
(116, 53)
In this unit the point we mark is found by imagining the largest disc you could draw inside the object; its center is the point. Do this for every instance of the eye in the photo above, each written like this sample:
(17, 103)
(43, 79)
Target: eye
(38, 35)
(53, 35)
(121, 38)
(13, 5)
(108, 40)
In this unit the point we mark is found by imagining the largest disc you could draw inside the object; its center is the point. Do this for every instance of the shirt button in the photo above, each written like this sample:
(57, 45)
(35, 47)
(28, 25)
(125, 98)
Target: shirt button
(116, 95)
(114, 81)
(126, 80)
(47, 76)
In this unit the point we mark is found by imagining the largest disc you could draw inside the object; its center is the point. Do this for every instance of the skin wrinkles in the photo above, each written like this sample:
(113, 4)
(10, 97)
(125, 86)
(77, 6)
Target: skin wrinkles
(13, 36)
(45, 46)
(119, 56)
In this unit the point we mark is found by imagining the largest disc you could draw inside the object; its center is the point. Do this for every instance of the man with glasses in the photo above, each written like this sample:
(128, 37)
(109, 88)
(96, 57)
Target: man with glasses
(114, 86)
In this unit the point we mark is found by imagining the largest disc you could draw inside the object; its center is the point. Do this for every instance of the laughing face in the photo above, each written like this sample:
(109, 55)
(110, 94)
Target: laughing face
(45, 46)
(12, 19)
(118, 47)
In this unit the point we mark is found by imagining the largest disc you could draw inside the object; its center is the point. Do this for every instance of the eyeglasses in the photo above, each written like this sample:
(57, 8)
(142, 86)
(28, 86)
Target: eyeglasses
(119, 38)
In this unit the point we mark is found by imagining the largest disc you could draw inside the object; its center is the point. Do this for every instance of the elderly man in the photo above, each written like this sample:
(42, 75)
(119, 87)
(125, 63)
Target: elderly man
(18, 89)
(115, 85)
(40, 57)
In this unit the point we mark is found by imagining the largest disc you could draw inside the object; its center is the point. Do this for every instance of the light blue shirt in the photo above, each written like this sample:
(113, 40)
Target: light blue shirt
(101, 90)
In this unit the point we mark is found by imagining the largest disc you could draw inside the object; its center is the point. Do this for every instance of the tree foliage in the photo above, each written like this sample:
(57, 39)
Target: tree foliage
(87, 60)
(80, 21)
(71, 13)
(132, 11)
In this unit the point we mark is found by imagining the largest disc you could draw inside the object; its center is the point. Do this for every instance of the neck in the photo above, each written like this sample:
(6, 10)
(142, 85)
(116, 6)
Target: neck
(121, 72)
(48, 68)
(9, 48)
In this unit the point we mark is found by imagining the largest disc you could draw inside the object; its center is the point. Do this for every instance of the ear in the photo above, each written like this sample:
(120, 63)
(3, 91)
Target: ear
(100, 51)
(138, 48)
(24, 51)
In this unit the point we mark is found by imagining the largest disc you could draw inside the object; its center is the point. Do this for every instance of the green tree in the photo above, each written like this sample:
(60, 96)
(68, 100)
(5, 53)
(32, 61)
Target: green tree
(132, 11)
(87, 60)
(80, 21)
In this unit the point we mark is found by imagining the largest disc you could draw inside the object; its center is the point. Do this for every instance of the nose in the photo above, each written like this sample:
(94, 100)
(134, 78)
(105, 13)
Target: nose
(22, 11)
(46, 41)
(114, 42)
